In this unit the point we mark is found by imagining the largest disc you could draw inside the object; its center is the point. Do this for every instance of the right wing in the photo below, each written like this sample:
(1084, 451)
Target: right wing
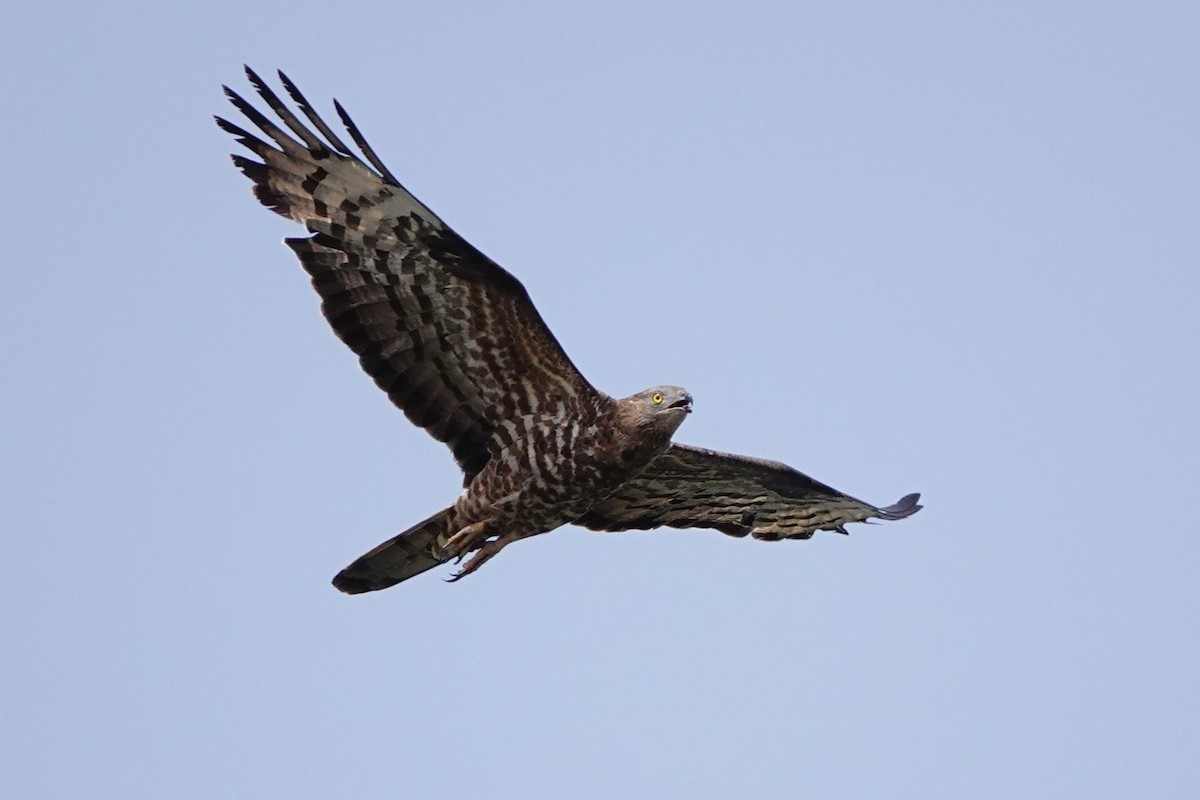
(451, 336)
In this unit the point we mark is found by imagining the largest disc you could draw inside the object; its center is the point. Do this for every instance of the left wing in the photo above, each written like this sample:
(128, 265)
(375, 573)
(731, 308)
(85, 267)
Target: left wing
(690, 487)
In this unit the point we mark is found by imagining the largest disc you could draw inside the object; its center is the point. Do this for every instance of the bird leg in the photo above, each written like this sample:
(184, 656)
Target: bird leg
(467, 539)
(486, 551)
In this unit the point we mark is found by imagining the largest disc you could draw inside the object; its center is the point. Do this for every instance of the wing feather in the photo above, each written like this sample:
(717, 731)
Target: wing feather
(690, 487)
(315, 118)
(451, 336)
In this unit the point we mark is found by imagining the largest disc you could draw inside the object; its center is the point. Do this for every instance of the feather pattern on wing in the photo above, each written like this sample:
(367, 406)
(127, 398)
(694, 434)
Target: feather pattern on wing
(450, 335)
(690, 487)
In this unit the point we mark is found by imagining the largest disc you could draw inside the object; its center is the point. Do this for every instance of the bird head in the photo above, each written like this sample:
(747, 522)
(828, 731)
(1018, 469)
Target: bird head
(661, 407)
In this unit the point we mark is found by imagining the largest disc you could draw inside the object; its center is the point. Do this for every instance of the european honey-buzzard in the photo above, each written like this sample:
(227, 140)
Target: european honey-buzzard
(456, 343)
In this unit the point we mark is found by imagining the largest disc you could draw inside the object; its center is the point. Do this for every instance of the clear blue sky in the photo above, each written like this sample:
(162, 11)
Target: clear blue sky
(938, 247)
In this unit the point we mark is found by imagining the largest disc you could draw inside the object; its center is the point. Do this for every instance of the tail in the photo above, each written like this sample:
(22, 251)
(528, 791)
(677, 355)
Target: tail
(397, 559)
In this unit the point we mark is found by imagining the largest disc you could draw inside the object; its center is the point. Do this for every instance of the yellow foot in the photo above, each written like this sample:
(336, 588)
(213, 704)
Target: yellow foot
(486, 551)
(467, 539)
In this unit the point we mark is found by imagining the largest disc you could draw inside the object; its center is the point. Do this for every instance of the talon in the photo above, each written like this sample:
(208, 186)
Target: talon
(486, 551)
(472, 565)
(464, 541)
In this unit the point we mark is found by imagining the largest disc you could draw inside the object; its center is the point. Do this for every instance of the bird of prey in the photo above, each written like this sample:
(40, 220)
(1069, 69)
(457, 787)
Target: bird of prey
(456, 343)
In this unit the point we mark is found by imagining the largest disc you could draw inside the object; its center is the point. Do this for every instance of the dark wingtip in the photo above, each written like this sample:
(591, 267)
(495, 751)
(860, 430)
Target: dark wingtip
(905, 507)
(291, 88)
(230, 127)
(341, 112)
(253, 76)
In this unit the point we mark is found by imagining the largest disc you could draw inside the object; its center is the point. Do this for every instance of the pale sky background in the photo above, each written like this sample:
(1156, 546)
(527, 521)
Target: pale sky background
(938, 247)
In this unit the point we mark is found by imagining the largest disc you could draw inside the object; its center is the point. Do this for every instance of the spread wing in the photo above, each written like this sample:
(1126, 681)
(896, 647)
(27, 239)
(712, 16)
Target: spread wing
(451, 336)
(689, 487)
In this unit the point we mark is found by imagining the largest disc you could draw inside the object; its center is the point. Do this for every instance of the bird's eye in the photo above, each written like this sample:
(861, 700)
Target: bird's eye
(656, 398)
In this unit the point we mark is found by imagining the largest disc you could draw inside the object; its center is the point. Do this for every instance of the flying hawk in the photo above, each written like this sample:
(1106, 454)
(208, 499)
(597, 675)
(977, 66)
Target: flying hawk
(457, 344)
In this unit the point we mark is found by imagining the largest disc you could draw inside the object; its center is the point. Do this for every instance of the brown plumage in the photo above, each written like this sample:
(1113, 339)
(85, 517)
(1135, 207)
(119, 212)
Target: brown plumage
(456, 343)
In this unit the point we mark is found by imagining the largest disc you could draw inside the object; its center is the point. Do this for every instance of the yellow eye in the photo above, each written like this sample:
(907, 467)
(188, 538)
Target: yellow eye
(656, 398)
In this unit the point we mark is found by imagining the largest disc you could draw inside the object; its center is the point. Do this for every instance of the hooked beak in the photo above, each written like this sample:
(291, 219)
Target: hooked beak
(684, 402)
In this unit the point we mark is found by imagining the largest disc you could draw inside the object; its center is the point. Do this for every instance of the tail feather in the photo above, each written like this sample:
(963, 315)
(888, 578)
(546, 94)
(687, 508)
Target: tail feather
(397, 559)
